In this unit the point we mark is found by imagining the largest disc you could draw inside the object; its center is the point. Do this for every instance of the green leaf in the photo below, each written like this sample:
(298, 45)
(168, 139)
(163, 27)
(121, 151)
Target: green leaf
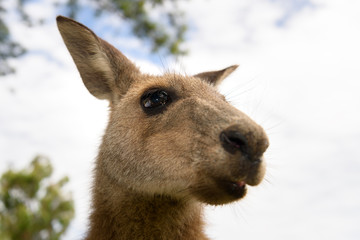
(32, 206)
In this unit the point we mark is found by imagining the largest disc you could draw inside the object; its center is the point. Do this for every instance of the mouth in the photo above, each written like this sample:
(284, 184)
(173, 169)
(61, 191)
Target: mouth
(229, 187)
(236, 189)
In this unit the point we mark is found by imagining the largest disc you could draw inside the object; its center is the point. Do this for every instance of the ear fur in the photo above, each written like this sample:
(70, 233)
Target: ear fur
(104, 70)
(216, 77)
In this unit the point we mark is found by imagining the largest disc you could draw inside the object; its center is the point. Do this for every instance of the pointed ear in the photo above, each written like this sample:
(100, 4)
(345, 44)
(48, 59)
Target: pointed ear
(215, 77)
(104, 70)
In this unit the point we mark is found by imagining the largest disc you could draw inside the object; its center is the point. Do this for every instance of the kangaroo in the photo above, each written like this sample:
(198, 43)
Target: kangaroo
(172, 145)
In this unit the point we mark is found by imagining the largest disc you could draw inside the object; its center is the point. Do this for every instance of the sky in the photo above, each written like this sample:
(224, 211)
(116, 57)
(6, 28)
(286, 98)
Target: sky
(299, 77)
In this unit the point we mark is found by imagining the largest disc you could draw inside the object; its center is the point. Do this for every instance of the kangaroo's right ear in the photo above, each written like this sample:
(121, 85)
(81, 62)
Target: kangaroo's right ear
(216, 77)
(104, 70)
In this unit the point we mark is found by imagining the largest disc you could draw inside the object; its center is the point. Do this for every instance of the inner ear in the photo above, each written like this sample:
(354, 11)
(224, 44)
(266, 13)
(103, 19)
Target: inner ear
(216, 77)
(104, 70)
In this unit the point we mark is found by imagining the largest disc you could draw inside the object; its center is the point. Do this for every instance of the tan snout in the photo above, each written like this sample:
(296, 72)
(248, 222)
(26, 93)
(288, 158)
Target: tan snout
(243, 146)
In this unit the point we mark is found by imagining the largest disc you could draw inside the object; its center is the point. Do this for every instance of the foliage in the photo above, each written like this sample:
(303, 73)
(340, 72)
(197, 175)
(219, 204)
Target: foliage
(8, 48)
(137, 12)
(165, 33)
(31, 206)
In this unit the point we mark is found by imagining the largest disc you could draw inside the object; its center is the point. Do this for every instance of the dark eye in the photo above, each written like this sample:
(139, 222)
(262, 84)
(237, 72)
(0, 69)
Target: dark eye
(154, 101)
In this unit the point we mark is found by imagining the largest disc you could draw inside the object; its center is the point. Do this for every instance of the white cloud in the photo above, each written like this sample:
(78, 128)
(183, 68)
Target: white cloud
(302, 78)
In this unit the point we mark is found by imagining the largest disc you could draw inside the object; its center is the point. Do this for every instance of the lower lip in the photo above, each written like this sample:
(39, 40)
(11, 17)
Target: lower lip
(235, 189)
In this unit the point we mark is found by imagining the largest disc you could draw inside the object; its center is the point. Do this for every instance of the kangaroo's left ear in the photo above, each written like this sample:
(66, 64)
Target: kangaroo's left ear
(105, 71)
(216, 77)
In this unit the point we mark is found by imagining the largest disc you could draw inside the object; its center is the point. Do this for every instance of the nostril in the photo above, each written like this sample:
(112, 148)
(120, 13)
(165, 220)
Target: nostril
(239, 142)
(233, 141)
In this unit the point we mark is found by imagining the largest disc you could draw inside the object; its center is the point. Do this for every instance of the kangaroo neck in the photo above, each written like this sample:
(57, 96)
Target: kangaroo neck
(119, 213)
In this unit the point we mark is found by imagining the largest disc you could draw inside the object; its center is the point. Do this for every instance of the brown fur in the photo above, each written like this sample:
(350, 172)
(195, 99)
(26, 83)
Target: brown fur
(154, 173)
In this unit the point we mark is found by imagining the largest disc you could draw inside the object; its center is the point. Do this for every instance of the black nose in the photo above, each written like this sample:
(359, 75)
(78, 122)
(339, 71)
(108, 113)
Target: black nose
(251, 145)
(234, 141)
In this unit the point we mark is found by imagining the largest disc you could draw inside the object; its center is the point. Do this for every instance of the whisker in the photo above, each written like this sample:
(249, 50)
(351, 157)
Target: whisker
(239, 86)
(238, 95)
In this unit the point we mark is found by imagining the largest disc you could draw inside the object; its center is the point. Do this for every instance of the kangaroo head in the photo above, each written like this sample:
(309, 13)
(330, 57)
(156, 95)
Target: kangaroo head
(167, 135)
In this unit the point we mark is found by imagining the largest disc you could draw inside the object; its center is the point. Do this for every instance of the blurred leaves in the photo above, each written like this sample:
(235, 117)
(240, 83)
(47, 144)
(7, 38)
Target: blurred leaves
(165, 33)
(8, 48)
(157, 22)
(31, 206)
